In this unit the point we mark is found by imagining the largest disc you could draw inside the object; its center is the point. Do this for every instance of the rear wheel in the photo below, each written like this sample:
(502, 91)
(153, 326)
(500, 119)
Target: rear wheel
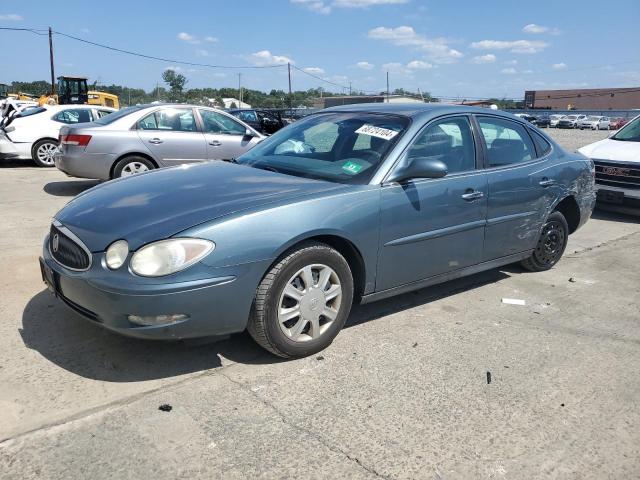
(132, 165)
(43, 152)
(551, 244)
(303, 302)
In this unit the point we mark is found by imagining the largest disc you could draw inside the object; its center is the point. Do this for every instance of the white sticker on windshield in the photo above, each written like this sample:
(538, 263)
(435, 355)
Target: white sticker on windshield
(378, 132)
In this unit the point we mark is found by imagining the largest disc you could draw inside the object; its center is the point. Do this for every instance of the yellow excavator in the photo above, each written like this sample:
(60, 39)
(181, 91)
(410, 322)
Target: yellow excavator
(74, 90)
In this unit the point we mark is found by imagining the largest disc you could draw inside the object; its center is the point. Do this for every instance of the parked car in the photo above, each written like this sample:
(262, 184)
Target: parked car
(570, 121)
(554, 119)
(33, 133)
(542, 121)
(264, 121)
(617, 162)
(355, 203)
(145, 137)
(617, 123)
(526, 116)
(594, 122)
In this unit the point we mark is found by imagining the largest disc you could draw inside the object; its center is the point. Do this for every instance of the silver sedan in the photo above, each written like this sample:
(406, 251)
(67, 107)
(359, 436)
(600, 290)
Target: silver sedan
(141, 138)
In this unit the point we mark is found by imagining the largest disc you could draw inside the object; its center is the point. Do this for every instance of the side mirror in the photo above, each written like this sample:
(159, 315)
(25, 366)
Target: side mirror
(249, 133)
(420, 167)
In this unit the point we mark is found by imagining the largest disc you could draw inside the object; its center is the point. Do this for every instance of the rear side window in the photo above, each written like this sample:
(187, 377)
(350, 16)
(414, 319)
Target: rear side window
(170, 119)
(542, 146)
(507, 142)
(247, 116)
(79, 115)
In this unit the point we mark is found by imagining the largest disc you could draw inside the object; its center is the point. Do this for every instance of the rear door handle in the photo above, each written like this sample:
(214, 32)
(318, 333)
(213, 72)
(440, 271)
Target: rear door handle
(155, 141)
(215, 143)
(546, 182)
(472, 195)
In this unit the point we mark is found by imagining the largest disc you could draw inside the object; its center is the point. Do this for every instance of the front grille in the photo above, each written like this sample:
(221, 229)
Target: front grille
(66, 251)
(617, 174)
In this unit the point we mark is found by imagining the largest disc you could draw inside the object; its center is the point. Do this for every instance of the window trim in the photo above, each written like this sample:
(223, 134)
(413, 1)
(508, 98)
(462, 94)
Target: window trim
(402, 155)
(224, 114)
(486, 166)
(540, 156)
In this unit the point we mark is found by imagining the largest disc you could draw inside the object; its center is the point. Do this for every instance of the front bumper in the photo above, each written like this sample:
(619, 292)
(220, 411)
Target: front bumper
(84, 165)
(217, 305)
(617, 199)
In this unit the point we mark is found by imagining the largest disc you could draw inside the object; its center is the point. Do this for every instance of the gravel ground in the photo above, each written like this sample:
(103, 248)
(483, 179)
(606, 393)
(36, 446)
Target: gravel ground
(573, 139)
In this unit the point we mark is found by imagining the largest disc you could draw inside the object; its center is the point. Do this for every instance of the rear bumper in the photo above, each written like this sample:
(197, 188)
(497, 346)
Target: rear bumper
(8, 149)
(85, 165)
(218, 305)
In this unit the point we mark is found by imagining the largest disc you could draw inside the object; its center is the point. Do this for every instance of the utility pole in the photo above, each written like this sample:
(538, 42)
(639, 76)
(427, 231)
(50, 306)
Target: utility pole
(290, 99)
(53, 75)
(420, 93)
(349, 87)
(239, 90)
(387, 86)
(157, 92)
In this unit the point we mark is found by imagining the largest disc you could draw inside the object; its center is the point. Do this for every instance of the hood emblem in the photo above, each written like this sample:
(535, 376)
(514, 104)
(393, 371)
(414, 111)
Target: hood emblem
(55, 242)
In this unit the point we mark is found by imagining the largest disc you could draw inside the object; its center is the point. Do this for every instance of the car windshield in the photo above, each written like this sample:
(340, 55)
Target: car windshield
(112, 117)
(28, 111)
(571, 117)
(630, 132)
(337, 147)
(593, 119)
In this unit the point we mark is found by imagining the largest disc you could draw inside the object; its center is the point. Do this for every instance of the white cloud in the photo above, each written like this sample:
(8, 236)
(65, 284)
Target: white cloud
(508, 71)
(202, 53)
(11, 17)
(418, 65)
(265, 58)
(210, 39)
(559, 66)
(488, 58)
(435, 49)
(514, 46)
(511, 62)
(314, 70)
(365, 65)
(527, 72)
(186, 37)
(538, 29)
(324, 7)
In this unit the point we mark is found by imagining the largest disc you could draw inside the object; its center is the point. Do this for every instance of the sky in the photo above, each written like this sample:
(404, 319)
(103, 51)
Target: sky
(451, 49)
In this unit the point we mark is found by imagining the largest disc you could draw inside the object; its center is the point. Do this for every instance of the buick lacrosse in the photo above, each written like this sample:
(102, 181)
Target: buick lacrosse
(352, 204)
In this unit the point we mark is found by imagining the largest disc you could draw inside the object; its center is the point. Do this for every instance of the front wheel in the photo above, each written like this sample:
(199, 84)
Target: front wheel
(303, 302)
(43, 152)
(551, 244)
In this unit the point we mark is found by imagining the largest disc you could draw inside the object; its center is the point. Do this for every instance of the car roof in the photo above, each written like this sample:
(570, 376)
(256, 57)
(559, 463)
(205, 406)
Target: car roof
(415, 109)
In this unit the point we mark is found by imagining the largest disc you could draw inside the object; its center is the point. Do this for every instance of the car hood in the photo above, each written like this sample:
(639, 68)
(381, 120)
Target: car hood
(159, 204)
(615, 150)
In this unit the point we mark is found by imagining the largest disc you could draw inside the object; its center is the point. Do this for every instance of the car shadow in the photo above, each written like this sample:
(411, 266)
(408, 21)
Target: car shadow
(601, 213)
(84, 348)
(69, 188)
(17, 163)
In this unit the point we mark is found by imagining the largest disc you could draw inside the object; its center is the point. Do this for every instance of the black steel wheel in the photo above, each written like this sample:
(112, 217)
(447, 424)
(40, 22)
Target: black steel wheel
(551, 244)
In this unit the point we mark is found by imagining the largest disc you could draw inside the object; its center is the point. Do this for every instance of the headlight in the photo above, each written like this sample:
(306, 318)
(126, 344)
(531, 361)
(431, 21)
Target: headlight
(169, 256)
(117, 254)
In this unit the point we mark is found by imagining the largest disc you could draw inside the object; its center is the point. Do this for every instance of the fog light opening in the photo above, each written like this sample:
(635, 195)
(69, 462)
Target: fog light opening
(157, 320)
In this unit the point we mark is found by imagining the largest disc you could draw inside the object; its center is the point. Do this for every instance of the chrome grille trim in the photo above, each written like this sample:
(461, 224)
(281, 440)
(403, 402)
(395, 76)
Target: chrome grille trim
(74, 238)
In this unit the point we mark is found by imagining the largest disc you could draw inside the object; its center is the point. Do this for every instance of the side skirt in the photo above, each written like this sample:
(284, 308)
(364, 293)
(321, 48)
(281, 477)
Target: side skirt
(445, 277)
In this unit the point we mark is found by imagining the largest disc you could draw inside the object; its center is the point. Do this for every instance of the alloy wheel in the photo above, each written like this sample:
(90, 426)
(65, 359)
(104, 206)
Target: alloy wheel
(46, 153)
(132, 168)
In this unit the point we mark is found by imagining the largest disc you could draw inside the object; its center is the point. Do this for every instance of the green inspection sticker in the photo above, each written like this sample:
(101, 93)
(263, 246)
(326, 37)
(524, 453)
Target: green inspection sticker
(352, 168)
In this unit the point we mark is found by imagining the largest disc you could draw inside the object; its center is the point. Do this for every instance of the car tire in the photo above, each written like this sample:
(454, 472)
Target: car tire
(287, 317)
(551, 244)
(43, 152)
(132, 165)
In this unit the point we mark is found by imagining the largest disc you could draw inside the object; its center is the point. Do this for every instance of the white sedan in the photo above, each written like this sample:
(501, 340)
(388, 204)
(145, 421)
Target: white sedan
(33, 134)
(594, 122)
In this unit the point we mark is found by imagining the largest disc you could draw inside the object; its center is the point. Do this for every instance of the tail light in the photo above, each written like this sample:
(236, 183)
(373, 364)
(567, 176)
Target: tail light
(78, 140)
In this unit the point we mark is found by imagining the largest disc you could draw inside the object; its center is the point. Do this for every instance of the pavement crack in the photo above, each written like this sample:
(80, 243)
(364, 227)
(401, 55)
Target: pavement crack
(283, 418)
(579, 252)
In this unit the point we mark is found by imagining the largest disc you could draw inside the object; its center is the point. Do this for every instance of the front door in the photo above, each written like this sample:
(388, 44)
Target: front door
(521, 187)
(172, 136)
(226, 138)
(433, 226)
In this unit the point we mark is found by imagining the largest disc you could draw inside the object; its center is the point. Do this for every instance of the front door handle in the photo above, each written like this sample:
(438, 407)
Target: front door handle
(472, 195)
(215, 143)
(546, 182)
(155, 141)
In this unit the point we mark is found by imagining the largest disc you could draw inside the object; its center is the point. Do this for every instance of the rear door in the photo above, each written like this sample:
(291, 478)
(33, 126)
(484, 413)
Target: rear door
(433, 226)
(521, 187)
(172, 136)
(226, 138)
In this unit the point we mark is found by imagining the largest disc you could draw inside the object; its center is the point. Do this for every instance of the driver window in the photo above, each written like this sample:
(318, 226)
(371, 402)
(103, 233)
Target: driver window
(449, 141)
(215, 122)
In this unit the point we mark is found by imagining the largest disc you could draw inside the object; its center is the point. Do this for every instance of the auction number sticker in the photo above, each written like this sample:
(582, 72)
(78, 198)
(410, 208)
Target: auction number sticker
(378, 132)
(352, 168)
